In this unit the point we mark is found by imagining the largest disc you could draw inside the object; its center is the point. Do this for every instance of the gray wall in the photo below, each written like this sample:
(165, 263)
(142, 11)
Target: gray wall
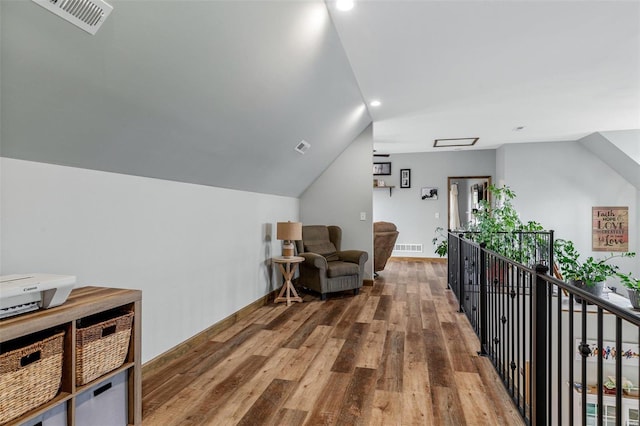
(197, 253)
(558, 183)
(341, 194)
(209, 92)
(416, 218)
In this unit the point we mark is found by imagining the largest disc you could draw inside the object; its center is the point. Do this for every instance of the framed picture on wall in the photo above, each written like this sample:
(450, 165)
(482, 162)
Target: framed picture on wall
(381, 168)
(405, 178)
(429, 193)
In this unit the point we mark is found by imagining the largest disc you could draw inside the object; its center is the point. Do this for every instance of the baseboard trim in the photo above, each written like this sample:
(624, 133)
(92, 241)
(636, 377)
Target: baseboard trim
(420, 259)
(177, 351)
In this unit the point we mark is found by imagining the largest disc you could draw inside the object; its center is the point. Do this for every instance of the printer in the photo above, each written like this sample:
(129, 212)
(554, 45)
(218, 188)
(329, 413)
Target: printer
(28, 292)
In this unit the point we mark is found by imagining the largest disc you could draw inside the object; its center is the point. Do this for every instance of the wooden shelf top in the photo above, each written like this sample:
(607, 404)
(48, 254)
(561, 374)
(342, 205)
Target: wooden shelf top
(82, 302)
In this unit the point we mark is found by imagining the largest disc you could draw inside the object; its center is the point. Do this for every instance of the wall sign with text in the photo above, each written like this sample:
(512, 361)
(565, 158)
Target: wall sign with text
(610, 228)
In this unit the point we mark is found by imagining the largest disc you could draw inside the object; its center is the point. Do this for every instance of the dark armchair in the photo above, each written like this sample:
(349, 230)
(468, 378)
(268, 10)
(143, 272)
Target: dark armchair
(385, 235)
(326, 268)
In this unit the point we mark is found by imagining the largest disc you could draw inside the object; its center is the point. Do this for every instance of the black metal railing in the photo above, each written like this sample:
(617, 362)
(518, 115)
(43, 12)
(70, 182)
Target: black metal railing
(556, 347)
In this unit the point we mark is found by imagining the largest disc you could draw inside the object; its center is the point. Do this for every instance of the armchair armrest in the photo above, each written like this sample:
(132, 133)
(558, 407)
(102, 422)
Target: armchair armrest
(353, 256)
(314, 259)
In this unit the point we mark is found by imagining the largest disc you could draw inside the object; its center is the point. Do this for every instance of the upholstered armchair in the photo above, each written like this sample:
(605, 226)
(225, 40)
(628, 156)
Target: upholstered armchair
(326, 268)
(385, 235)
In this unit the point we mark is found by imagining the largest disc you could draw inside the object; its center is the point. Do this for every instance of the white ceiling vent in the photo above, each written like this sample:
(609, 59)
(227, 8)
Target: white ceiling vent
(302, 147)
(86, 14)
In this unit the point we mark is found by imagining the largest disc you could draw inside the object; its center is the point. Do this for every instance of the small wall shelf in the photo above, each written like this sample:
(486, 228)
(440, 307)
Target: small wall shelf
(384, 187)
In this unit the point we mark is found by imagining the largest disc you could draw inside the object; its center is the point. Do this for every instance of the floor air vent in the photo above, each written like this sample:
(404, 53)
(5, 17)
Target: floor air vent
(408, 248)
(86, 14)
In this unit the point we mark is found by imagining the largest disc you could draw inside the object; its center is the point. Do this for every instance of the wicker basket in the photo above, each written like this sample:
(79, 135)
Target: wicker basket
(30, 375)
(102, 347)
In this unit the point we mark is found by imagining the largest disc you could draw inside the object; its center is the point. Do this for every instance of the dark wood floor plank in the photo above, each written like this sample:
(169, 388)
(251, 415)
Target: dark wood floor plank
(350, 315)
(317, 316)
(440, 371)
(347, 358)
(384, 308)
(390, 371)
(414, 348)
(285, 316)
(335, 308)
(358, 398)
(268, 404)
(413, 305)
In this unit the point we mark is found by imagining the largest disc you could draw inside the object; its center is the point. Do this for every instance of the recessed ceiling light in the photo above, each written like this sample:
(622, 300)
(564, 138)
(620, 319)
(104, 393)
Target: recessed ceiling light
(344, 5)
(375, 103)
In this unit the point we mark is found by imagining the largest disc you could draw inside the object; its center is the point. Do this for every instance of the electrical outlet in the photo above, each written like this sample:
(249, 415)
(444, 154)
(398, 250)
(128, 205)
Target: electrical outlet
(437, 215)
(363, 215)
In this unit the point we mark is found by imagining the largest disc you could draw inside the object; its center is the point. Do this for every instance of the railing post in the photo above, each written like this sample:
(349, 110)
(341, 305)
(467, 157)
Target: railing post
(483, 300)
(449, 272)
(551, 259)
(539, 318)
(461, 281)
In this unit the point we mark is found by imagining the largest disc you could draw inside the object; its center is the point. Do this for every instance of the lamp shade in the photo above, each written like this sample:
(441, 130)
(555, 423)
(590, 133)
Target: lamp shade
(289, 231)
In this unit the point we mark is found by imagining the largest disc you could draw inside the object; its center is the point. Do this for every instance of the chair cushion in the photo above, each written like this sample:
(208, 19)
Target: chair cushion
(340, 269)
(324, 248)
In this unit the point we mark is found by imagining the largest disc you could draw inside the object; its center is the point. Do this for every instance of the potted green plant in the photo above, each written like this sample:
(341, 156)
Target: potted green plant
(589, 274)
(566, 256)
(633, 288)
(498, 225)
(441, 242)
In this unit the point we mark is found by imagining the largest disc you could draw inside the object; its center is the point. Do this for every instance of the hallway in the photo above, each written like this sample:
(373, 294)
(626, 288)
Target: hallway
(397, 354)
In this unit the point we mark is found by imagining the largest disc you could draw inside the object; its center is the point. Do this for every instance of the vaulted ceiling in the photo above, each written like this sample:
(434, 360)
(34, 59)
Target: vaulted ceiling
(220, 92)
(461, 69)
(208, 92)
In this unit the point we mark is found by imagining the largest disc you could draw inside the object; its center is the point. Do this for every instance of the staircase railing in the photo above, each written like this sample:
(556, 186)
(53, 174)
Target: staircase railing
(557, 348)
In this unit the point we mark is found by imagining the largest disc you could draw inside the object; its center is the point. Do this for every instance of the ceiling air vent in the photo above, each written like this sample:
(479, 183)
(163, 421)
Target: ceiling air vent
(444, 143)
(86, 14)
(302, 147)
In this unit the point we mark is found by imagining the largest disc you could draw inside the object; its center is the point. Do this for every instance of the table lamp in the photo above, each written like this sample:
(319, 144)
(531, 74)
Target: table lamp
(288, 232)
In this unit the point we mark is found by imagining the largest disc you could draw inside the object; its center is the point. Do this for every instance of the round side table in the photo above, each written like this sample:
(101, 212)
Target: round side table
(288, 267)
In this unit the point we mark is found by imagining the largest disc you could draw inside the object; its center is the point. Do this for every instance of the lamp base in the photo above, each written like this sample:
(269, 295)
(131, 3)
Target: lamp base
(287, 249)
(287, 252)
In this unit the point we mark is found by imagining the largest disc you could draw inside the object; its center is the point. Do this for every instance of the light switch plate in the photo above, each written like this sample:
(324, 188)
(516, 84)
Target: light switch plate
(363, 215)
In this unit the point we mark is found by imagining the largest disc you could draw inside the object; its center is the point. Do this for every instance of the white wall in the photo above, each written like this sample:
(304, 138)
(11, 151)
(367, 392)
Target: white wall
(198, 253)
(341, 193)
(558, 183)
(416, 218)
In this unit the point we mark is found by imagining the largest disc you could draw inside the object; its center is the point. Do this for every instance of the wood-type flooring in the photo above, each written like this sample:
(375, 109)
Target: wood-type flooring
(398, 353)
